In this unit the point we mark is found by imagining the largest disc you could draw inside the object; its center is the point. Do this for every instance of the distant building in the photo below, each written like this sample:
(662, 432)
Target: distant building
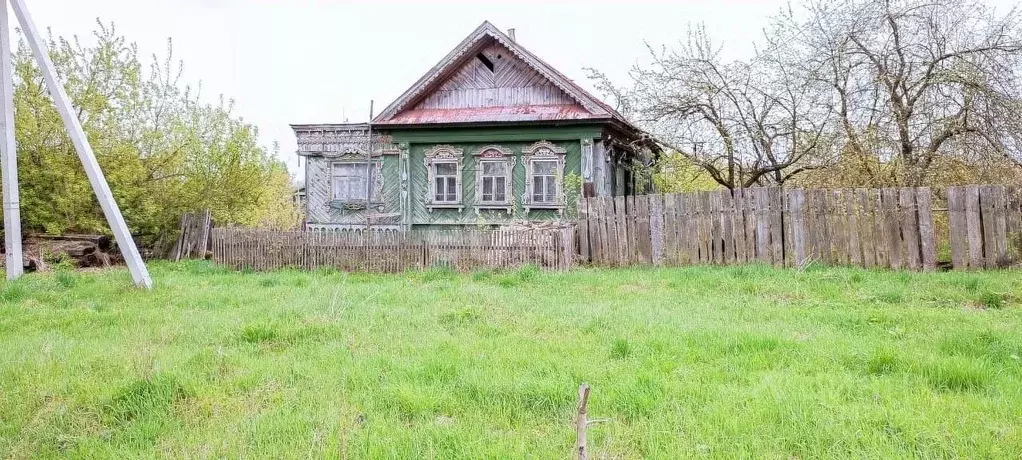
(486, 137)
(298, 198)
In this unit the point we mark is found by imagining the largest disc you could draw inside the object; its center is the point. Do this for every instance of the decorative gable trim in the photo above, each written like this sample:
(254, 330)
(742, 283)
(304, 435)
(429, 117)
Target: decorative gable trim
(464, 50)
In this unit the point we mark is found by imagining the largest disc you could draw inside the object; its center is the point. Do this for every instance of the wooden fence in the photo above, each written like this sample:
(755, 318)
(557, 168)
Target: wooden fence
(193, 240)
(980, 226)
(392, 251)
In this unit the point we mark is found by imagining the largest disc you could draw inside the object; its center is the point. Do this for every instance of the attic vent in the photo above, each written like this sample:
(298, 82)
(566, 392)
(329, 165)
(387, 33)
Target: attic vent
(485, 60)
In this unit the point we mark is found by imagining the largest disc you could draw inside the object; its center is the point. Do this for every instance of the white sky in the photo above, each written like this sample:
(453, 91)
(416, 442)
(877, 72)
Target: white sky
(306, 61)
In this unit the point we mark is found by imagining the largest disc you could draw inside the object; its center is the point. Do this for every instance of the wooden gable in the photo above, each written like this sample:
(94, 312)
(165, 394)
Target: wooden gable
(495, 77)
(491, 78)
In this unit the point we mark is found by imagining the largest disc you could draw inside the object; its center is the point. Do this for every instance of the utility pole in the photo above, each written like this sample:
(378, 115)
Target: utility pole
(136, 266)
(12, 207)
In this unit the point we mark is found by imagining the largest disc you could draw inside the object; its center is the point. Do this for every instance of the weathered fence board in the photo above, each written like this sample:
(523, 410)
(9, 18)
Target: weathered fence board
(890, 228)
(193, 240)
(391, 251)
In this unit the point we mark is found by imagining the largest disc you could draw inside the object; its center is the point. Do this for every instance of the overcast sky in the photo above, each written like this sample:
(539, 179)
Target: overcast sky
(305, 61)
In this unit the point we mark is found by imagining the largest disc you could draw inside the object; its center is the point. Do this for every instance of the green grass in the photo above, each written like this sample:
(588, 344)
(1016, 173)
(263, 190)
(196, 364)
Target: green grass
(701, 362)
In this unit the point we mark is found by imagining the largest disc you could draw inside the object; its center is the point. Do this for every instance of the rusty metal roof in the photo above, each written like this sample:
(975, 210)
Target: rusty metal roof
(492, 114)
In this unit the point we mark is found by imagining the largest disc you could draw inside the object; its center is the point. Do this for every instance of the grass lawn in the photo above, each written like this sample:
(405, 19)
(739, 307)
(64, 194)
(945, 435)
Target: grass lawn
(698, 362)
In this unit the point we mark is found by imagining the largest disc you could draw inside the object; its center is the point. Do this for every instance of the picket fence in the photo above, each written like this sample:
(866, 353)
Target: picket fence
(898, 228)
(392, 251)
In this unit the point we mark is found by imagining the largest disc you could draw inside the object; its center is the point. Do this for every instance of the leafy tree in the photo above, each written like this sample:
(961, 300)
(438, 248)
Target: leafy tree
(162, 149)
(675, 173)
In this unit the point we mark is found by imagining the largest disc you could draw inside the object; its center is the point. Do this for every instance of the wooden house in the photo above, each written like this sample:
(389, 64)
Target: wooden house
(489, 136)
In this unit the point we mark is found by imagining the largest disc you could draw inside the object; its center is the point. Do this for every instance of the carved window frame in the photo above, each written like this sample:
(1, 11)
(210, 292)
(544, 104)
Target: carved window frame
(544, 150)
(353, 158)
(444, 154)
(495, 153)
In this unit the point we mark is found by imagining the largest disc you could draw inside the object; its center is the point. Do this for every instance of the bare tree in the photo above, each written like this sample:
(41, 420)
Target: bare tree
(912, 79)
(745, 123)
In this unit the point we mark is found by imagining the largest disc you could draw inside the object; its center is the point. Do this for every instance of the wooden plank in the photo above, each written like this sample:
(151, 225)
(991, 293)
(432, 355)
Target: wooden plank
(622, 234)
(686, 232)
(787, 229)
(927, 234)
(716, 231)
(892, 227)
(630, 251)
(606, 230)
(669, 204)
(705, 229)
(910, 228)
(738, 222)
(727, 225)
(643, 230)
(796, 201)
(749, 195)
(838, 224)
(987, 214)
(880, 241)
(658, 229)
(585, 253)
(762, 226)
(811, 228)
(1001, 225)
(854, 237)
(825, 236)
(776, 226)
(974, 227)
(1013, 211)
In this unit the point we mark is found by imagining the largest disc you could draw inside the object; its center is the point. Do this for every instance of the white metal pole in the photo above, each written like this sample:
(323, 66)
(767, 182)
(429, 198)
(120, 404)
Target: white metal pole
(106, 199)
(8, 153)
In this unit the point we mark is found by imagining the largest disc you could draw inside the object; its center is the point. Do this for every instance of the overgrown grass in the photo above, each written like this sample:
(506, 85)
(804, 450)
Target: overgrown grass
(703, 362)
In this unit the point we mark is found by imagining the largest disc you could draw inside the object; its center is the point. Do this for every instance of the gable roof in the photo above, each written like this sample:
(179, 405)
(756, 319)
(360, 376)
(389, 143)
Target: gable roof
(403, 111)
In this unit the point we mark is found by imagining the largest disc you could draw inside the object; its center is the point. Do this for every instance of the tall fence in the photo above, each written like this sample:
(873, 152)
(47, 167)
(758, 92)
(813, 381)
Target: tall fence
(392, 251)
(899, 228)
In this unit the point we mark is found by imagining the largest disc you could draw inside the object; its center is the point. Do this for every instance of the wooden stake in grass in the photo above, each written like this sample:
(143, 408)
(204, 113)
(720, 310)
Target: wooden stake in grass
(581, 422)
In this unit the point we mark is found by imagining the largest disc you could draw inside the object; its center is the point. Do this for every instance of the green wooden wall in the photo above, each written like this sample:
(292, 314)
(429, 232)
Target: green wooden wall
(471, 140)
(419, 187)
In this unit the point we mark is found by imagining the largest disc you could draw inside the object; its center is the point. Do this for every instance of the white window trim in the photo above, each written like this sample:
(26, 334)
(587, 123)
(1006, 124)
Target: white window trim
(495, 153)
(377, 191)
(443, 154)
(543, 150)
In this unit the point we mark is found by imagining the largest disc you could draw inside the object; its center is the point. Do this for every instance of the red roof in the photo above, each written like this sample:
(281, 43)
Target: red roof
(492, 114)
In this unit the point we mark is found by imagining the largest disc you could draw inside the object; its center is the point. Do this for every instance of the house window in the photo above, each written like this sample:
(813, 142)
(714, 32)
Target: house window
(444, 166)
(544, 173)
(544, 182)
(494, 187)
(445, 187)
(493, 177)
(354, 181)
